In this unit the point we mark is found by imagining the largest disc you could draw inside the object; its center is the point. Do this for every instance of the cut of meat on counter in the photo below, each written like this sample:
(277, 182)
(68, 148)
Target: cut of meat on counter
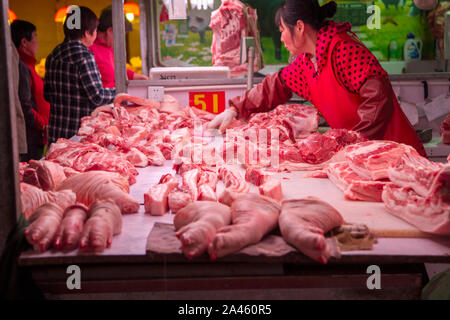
(207, 185)
(293, 122)
(104, 222)
(88, 157)
(430, 213)
(44, 224)
(354, 186)
(345, 137)
(372, 159)
(124, 100)
(414, 171)
(317, 148)
(252, 217)
(268, 186)
(69, 231)
(272, 189)
(57, 217)
(187, 193)
(93, 186)
(256, 176)
(229, 23)
(235, 185)
(178, 199)
(303, 224)
(45, 175)
(445, 130)
(32, 198)
(368, 167)
(197, 225)
(156, 200)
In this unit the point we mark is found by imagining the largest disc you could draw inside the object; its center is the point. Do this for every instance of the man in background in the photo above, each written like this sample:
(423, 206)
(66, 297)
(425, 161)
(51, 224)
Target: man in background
(73, 84)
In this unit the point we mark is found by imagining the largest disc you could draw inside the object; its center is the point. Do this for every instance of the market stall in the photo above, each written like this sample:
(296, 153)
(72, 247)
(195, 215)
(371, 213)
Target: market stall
(145, 259)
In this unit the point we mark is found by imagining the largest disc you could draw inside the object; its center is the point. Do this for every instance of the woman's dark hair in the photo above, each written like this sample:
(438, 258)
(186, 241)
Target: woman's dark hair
(88, 22)
(309, 11)
(21, 29)
(106, 21)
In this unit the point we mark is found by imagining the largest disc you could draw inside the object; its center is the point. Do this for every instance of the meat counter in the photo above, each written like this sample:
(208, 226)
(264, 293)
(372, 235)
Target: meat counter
(129, 270)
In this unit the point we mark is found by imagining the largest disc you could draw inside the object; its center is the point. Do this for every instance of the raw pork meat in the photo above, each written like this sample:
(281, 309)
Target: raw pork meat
(105, 221)
(372, 159)
(230, 23)
(197, 225)
(235, 185)
(178, 199)
(300, 119)
(69, 231)
(429, 214)
(445, 130)
(44, 223)
(101, 185)
(252, 217)
(45, 175)
(268, 186)
(354, 186)
(22, 167)
(256, 176)
(156, 200)
(414, 171)
(272, 189)
(317, 148)
(206, 193)
(153, 153)
(125, 99)
(32, 198)
(137, 158)
(345, 137)
(303, 224)
(89, 157)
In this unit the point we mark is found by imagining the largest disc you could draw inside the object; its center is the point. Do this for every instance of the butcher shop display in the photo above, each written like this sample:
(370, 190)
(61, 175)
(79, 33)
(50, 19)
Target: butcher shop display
(224, 191)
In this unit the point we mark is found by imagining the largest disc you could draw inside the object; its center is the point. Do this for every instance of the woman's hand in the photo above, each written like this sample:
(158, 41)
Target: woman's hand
(223, 120)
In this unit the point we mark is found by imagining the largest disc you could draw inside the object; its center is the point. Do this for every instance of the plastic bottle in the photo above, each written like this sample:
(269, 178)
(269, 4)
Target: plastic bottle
(412, 50)
(394, 54)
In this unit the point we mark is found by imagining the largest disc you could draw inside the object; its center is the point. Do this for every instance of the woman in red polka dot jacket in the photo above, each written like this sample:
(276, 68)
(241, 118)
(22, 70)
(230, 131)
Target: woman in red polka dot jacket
(334, 71)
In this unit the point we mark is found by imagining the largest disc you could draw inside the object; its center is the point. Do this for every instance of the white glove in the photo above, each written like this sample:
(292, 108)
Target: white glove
(223, 120)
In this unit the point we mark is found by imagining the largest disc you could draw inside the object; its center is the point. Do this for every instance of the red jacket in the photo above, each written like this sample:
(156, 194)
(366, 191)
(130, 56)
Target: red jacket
(37, 87)
(104, 56)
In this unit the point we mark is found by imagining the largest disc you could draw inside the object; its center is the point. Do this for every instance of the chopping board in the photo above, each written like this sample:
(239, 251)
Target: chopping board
(162, 241)
(372, 214)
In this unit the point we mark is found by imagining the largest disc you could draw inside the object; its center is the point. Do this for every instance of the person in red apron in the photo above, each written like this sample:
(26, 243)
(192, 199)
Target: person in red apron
(334, 71)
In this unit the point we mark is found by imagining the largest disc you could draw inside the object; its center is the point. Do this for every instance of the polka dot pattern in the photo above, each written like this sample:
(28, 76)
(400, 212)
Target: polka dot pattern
(294, 76)
(303, 68)
(354, 63)
(324, 37)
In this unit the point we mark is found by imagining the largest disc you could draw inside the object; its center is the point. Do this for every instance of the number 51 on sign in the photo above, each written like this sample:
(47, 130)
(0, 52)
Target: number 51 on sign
(213, 102)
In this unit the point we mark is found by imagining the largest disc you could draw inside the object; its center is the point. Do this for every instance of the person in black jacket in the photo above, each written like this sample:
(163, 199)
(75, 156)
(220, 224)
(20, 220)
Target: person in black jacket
(29, 107)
